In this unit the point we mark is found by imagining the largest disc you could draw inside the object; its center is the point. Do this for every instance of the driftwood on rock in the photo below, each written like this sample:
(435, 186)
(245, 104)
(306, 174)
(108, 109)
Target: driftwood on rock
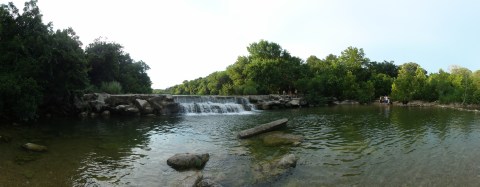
(263, 128)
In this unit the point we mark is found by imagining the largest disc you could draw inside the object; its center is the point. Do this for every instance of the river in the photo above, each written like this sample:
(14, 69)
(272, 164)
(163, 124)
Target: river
(343, 146)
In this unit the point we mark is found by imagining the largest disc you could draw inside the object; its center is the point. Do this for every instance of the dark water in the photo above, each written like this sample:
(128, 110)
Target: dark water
(344, 146)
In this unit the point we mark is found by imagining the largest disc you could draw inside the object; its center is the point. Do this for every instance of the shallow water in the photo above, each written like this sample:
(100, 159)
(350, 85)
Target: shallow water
(344, 146)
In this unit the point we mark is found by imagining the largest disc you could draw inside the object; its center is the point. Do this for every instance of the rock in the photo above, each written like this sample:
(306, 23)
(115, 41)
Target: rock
(97, 101)
(106, 113)
(34, 147)
(208, 183)
(183, 161)
(279, 138)
(191, 179)
(263, 128)
(127, 110)
(93, 115)
(83, 115)
(144, 106)
(267, 170)
(287, 161)
(297, 102)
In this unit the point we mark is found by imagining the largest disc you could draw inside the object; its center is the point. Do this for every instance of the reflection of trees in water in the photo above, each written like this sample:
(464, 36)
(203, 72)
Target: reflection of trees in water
(119, 143)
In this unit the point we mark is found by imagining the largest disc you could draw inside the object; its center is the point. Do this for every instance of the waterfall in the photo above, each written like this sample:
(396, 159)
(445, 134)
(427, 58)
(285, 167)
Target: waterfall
(214, 104)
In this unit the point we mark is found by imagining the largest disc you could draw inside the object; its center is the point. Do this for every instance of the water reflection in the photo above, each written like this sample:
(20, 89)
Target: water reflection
(343, 146)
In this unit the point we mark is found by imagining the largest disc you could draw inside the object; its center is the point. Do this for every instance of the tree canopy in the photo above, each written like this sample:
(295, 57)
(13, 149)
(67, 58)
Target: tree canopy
(270, 69)
(43, 71)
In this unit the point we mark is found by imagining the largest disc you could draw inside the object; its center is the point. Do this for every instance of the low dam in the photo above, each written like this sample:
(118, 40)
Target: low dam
(164, 104)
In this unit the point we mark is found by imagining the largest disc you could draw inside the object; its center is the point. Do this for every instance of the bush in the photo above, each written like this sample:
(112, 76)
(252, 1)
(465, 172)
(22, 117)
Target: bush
(113, 87)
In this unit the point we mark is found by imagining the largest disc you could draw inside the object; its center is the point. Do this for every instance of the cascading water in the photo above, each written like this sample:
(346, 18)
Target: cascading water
(214, 104)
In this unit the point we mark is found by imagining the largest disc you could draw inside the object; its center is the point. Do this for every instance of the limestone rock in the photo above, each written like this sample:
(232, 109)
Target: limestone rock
(263, 128)
(34, 147)
(184, 161)
(267, 170)
(190, 179)
(144, 106)
(106, 113)
(280, 138)
(208, 183)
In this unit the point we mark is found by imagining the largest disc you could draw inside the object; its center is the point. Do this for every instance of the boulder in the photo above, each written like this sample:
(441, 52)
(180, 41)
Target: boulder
(34, 147)
(144, 106)
(106, 113)
(280, 138)
(127, 109)
(189, 179)
(97, 101)
(263, 128)
(297, 102)
(184, 161)
(208, 183)
(267, 170)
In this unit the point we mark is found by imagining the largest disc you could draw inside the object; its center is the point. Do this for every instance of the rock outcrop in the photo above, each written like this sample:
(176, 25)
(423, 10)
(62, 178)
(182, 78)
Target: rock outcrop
(185, 161)
(126, 104)
(267, 170)
(269, 102)
(263, 128)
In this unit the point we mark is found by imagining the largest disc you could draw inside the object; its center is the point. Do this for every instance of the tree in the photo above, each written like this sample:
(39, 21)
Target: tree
(272, 68)
(108, 62)
(409, 83)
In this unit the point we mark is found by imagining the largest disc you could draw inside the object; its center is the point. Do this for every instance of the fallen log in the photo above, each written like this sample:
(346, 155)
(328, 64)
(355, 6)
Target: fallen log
(263, 128)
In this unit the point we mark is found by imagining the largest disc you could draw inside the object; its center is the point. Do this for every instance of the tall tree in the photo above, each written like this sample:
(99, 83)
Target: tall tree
(409, 83)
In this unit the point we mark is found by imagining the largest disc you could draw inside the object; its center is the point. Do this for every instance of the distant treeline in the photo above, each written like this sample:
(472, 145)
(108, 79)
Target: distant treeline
(43, 71)
(269, 69)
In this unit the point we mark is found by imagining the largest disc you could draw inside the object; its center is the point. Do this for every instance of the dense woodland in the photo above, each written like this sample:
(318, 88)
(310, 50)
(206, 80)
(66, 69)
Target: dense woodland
(269, 69)
(44, 71)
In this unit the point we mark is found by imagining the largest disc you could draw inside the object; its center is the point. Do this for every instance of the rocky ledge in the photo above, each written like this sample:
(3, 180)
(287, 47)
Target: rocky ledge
(127, 104)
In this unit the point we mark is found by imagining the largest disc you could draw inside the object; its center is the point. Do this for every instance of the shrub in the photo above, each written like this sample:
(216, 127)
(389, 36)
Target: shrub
(113, 87)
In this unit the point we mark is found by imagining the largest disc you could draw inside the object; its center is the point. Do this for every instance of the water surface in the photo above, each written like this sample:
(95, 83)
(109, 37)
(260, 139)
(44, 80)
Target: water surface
(344, 146)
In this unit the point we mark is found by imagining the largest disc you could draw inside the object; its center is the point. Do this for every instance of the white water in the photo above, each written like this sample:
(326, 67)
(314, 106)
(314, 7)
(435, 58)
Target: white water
(208, 105)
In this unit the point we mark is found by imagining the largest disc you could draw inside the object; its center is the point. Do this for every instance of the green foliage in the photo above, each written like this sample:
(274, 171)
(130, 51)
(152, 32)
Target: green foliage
(409, 83)
(108, 62)
(42, 71)
(113, 87)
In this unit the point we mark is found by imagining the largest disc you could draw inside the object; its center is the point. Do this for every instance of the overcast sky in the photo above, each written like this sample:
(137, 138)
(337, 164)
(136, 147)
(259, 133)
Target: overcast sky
(186, 39)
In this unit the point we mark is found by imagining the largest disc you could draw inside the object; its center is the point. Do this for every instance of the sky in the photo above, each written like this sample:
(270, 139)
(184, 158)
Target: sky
(187, 39)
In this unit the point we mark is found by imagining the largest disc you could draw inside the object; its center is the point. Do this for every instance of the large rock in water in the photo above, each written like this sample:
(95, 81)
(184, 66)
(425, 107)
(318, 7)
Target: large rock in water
(190, 179)
(34, 147)
(183, 161)
(267, 170)
(263, 128)
(280, 138)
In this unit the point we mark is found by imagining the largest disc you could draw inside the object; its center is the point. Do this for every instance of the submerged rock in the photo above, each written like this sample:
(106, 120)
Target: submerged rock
(280, 138)
(267, 170)
(263, 128)
(208, 183)
(34, 147)
(183, 161)
(190, 179)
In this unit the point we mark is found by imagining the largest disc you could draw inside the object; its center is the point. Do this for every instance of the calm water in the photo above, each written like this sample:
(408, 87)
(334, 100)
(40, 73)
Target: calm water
(344, 146)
